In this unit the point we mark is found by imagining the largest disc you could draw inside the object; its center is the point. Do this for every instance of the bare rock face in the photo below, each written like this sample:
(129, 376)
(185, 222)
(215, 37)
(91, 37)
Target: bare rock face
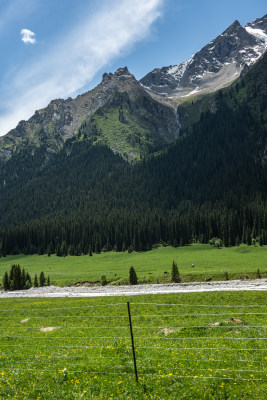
(214, 66)
(60, 120)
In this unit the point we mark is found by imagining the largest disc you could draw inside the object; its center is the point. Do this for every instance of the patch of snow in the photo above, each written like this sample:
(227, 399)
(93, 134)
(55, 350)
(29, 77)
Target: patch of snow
(258, 33)
(196, 90)
(178, 70)
(144, 86)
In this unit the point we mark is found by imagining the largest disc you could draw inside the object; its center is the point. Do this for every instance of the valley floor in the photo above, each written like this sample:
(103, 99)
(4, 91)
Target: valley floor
(97, 291)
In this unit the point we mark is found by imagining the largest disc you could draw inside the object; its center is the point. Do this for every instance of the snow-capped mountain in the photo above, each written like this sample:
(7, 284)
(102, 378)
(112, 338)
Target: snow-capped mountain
(214, 66)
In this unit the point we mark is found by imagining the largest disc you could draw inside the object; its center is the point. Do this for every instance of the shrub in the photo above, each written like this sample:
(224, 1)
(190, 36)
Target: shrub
(104, 281)
(217, 242)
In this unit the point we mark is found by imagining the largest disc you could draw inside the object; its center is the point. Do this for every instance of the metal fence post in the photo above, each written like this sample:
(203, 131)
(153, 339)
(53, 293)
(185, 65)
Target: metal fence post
(131, 330)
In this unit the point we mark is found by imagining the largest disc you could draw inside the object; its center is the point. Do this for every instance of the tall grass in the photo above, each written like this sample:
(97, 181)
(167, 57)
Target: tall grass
(189, 346)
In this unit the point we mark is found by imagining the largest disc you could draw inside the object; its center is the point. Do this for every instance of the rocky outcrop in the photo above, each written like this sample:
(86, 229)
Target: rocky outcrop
(61, 119)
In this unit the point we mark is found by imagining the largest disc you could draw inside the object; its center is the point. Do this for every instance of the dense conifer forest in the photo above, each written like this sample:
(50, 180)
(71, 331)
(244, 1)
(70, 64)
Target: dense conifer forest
(212, 182)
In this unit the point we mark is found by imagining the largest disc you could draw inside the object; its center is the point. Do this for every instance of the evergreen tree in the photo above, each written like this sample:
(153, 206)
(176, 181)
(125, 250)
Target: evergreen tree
(35, 282)
(23, 279)
(58, 250)
(42, 279)
(28, 284)
(49, 250)
(71, 250)
(175, 276)
(132, 276)
(16, 273)
(48, 281)
(6, 283)
(64, 249)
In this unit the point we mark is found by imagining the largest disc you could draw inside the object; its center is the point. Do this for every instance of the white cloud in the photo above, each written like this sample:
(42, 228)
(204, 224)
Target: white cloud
(73, 62)
(28, 36)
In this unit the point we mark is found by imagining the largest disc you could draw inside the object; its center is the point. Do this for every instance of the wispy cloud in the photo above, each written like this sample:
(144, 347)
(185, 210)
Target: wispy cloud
(14, 10)
(73, 62)
(28, 36)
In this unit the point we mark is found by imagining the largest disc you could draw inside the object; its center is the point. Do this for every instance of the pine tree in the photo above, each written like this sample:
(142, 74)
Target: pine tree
(175, 276)
(23, 279)
(49, 250)
(71, 250)
(48, 281)
(16, 277)
(28, 284)
(35, 282)
(58, 250)
(42, 279)
(132, 276)
(64, 249)
(6, 281)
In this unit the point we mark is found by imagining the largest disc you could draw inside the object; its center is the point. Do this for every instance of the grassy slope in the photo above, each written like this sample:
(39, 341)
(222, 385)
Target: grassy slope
(188, 363)
(127, 138)
(150, 266)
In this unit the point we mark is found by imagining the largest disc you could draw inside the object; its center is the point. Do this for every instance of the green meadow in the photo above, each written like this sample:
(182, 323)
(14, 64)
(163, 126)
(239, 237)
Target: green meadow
(188, 346)
(240, 262)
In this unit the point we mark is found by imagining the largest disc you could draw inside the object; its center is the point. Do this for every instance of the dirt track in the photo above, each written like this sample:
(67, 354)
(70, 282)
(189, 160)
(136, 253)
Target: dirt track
(96, 291)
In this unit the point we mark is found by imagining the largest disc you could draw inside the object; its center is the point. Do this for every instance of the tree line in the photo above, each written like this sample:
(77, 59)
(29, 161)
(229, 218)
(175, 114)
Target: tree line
(19, 279)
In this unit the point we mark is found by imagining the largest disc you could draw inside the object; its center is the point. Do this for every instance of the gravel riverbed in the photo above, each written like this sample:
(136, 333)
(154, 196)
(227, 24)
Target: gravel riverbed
(97, 291)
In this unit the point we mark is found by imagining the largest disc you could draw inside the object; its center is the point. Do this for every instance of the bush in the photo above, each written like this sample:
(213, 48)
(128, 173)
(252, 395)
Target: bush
(132, 276)
(104, 281)
(217, 242)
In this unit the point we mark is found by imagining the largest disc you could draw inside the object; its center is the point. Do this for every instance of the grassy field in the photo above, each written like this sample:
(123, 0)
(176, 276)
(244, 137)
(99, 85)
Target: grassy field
(187, 347)
(150, 266)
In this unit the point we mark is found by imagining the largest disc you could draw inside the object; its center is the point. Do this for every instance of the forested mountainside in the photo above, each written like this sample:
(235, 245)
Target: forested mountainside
(211, 182)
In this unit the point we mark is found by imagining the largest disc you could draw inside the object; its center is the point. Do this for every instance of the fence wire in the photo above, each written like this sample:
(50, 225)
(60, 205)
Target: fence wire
(88, 353)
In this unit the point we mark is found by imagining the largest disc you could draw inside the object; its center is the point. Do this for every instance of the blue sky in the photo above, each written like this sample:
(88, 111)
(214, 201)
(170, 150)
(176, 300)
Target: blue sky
(60, 48)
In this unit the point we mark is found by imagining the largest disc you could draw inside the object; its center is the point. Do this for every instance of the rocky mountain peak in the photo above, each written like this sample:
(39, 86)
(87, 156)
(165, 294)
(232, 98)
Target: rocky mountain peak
(214, 66)
(122, 72)
(235, 25)
(259, 23)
